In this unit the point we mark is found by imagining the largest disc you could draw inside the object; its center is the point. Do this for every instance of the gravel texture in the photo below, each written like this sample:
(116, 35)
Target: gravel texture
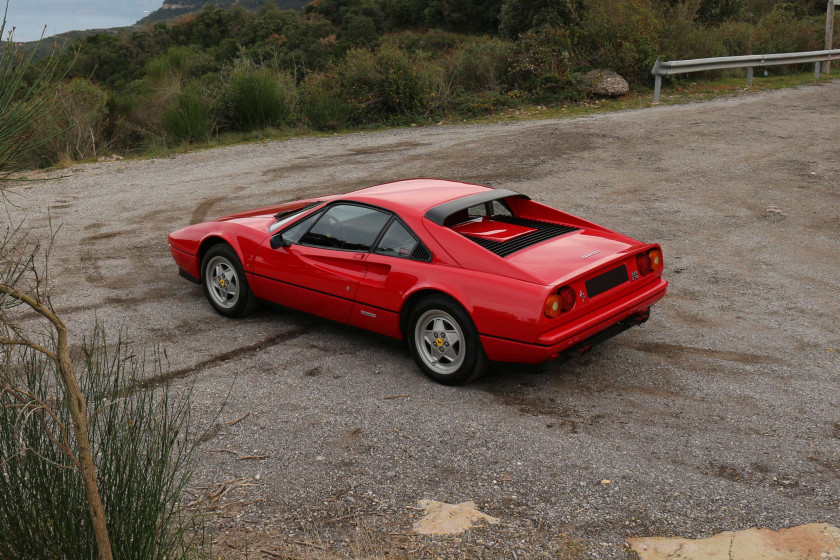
(721, 413)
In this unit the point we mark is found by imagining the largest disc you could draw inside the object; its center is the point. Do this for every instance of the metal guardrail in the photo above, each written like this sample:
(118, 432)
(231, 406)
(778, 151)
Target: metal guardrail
(749, 62)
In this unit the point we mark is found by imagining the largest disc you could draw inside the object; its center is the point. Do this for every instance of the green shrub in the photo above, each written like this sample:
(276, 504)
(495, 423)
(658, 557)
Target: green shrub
(386, 84)
(480, 65)
(176, 60)
(735, 37)
(255, 98)
(542, 65)
(684, 37)
(323, 105)
(189, 118)
(433, 41)
(624, 35)
(780, 32)
(141, 444)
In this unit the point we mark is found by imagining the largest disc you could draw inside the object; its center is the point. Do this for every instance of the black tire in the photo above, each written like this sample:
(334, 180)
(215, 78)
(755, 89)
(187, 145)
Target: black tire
(224, 282)
(444, 341)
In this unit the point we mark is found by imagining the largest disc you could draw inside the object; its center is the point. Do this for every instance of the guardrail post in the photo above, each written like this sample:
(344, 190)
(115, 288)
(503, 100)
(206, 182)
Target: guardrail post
(657, 88)
(816, 69)
(749, 75)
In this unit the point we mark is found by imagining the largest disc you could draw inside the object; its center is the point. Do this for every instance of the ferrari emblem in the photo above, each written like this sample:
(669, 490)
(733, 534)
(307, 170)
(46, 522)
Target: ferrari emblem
(582, 296)
(439, 342)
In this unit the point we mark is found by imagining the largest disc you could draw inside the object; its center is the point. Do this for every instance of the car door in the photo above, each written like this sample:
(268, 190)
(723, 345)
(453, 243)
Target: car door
(319, 266)
(394, 267)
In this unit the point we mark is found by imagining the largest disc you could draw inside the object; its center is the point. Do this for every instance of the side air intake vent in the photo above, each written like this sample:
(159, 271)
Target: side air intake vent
(544, 231)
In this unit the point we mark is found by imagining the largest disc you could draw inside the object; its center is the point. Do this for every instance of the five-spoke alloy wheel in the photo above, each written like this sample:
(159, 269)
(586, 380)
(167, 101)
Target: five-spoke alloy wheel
(224, 282)
(445, 342)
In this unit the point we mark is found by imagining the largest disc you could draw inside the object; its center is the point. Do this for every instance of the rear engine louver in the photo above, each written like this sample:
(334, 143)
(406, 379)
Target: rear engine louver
(544, 231)
(420, 253)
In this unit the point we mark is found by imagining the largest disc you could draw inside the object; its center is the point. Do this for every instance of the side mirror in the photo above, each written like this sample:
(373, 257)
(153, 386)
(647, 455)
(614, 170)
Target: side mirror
(279, 241)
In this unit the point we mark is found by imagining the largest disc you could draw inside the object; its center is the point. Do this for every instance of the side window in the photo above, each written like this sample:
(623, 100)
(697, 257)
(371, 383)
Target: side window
(397, 241)
(499, 208)
(477, 210)
(492, 208)
(294, 233)
(347, 227)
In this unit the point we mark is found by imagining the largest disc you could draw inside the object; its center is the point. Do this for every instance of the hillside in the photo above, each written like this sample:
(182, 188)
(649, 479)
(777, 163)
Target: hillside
(175, 8)
(170, 10)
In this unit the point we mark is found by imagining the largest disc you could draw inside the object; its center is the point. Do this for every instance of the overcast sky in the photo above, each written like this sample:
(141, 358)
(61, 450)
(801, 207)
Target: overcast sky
(29, 17)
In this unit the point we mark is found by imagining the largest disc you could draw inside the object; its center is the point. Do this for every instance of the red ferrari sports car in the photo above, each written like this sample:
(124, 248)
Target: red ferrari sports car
(466, 274)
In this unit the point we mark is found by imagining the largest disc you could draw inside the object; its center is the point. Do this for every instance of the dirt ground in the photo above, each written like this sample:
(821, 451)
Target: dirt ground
(721, 413)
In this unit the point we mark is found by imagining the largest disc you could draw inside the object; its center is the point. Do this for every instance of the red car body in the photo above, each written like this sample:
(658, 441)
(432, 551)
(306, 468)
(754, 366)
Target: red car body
(510, 263)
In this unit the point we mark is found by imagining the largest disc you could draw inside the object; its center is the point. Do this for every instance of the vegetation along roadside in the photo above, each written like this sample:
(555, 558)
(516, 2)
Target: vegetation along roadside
(240, 72)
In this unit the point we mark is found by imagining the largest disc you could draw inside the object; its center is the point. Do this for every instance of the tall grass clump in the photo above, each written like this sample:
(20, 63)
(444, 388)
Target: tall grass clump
(480, 65)
(73, 128)
(256, 98)
(189, 117)
(142, 443)
(24, 101)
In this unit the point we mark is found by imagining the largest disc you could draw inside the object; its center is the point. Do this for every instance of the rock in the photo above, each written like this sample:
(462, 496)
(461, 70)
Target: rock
(112, 157)
(606, 83)
(449, 519)
(817, 540)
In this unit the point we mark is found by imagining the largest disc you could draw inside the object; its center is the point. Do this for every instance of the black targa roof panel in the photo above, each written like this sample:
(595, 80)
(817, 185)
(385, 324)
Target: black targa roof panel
(442, 211)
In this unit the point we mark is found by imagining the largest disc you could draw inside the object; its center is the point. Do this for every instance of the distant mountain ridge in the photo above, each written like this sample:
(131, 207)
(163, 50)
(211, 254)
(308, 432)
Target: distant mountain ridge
(172, 9)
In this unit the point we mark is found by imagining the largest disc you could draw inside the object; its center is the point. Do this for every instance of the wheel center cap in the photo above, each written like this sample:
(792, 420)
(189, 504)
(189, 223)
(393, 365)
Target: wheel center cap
(439, 342)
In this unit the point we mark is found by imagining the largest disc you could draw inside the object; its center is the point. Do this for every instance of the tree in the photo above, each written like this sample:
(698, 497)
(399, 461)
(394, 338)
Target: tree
(520, 16)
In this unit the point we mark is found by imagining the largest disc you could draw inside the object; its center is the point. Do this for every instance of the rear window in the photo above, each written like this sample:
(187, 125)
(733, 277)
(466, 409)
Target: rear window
(483, 210)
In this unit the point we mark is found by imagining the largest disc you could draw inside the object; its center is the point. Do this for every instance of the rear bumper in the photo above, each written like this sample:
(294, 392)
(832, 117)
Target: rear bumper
(582, 333)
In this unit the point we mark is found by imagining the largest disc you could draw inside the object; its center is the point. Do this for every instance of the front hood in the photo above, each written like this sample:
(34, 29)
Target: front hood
(261, 218)
(560, 259)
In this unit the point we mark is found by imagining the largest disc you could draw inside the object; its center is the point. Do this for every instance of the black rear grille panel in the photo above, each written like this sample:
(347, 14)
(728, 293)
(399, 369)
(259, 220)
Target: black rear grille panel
(544, 231)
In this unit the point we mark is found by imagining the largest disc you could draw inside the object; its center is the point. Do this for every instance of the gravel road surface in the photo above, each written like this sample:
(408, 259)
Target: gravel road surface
(721, 413)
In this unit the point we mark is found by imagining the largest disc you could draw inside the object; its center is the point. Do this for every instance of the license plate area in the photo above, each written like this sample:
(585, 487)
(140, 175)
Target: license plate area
(606, 281)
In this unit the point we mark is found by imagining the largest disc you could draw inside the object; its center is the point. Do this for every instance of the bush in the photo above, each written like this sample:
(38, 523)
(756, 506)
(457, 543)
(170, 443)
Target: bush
(433, 41)
(386, 84)
(624, 35)
(322, 103)
(542, 65)
(255, 98)
(684, 37)
(189, 118)
(780, 32)
(141, 446)
(480, 65)
(736, 38)
(73, 127)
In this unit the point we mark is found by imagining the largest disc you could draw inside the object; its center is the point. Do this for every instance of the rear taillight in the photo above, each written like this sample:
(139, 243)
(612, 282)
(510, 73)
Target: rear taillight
(559, 302)
(648, 262)
(567, 295)
(655, 259)
(643, 263)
